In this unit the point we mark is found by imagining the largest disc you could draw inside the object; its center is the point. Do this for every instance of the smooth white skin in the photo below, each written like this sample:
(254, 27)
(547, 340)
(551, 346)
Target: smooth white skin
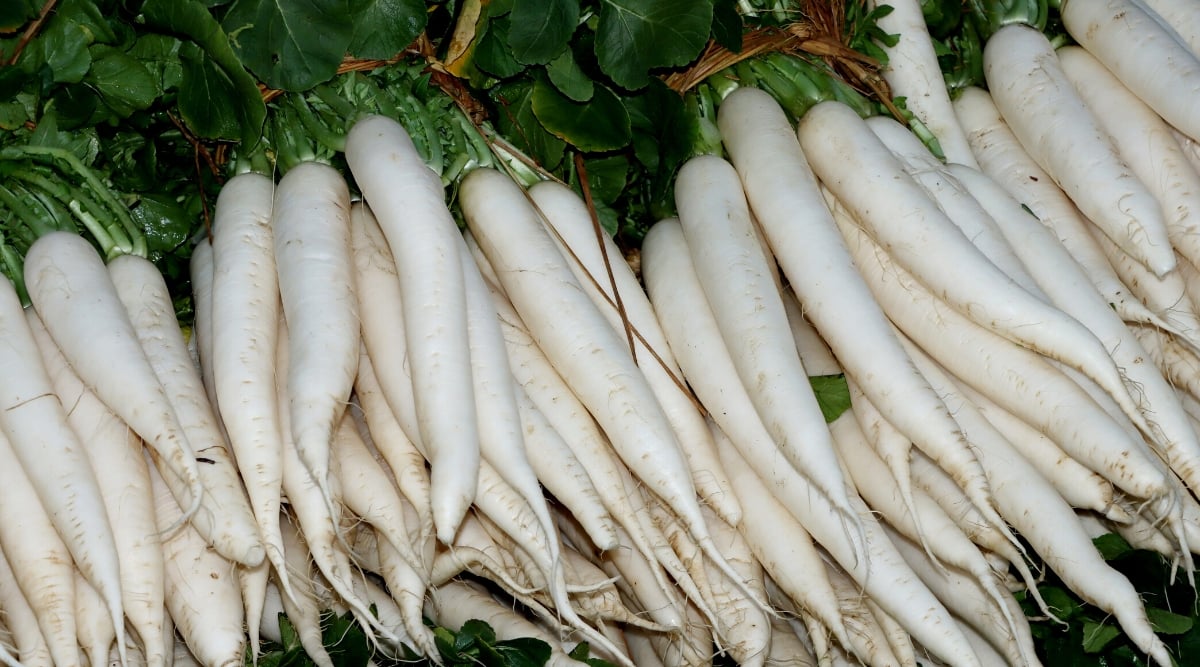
(781, 544)
(93, 627)
(567, 415)
(1068, 286)
(201, 589)
(200, 270)
(913, 73)
(38, 558)
(383, 380)
(867, 642)
(501, 434)
(981, 358)
(736, 280)
(991, 617)
(408, 201)
(244, 328)
(936, 533)
(1181, 16)
(563, 475)
(867, 179)
(1145, 141)
(29, 647)
(575, 336)
(567, 215)
(1002, 157)
(1035, 509)
(307, 502)
(783, 192)
(1153, 61)
(115, 453)
(1166, 296)
(34, 421)
(310, 223)
(743, 628)
(304, 608)
(952, 197)
(224, 519)
(72, 292)
(368, 492)
(880, 571)
(1063, 136)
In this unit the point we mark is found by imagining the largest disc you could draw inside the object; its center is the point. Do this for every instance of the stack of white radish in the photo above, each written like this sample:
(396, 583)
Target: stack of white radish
(383, 415)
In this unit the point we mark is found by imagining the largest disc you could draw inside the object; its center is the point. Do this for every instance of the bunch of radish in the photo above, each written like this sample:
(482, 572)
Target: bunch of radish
(382, 414)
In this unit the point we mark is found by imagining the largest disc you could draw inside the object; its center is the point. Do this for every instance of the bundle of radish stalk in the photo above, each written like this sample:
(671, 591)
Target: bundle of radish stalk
(388, 417)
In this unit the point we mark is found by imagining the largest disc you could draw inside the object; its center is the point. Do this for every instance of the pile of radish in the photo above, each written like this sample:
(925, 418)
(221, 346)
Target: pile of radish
(383, 414)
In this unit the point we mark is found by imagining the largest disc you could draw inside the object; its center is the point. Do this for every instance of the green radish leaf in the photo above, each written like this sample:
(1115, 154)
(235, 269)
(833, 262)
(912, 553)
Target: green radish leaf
(1097, 635)
(14, 14)
(84, 144)
(600, 124)
(1062, 603)
(123, 83)
(345, 640)
(570, 79)
(208, 99)
(383, 28)
(833, 394)
(12, 115)
(521, 652)
(159, 54)
(217, 97)
(62, 49)
(636, 36)
(492, 54)
(475, 632)
(541, 29)
(1168, 623)
(516, 120)
(727, 25)
(607, 177)
(164, 223)
(291, 45)
(1112, 545)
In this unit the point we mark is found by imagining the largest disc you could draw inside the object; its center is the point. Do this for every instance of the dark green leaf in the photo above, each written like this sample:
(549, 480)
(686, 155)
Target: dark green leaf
(217, 97)
(124, 84)
(383, 28)
(475, 632)
(63, 49)
(727, 24)
(492, 54)
(1168, 623)
(522, 652)
(569, 78)
(541, 28)
(500, 7)
(88, 15)
(833, 395)
(1112, 546)
(1062, 603)
(636, 36)
(291, 45)
(599, 124)
(76, 105)
(14, 14)
(159, 54)
(345, 640)
(607, 177)
(516, 121)
(1097, 635)
(203, 82)
(12, 115)
(83, 143)
(165, 224)
(288, 633)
